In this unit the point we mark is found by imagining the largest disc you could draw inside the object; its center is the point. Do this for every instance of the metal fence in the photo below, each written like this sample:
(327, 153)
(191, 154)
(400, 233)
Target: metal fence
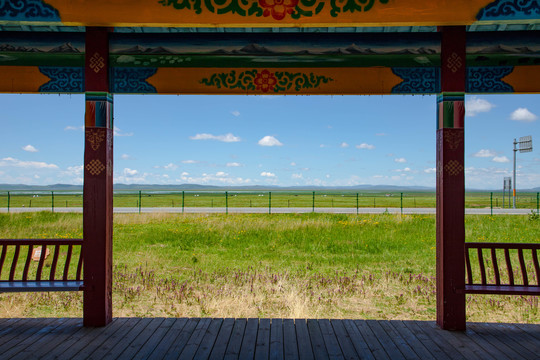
(260, 199)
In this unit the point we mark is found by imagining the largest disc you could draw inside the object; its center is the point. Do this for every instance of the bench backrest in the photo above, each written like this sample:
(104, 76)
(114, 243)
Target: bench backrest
(64, 253)
(490, 271)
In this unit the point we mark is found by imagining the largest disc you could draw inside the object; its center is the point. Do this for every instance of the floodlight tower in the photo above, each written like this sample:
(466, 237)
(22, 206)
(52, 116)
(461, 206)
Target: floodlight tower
(525, 145)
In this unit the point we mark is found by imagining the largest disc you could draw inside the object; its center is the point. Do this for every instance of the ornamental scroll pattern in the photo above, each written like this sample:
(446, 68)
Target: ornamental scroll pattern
(488, 79)
(277, 9)
(417, 80)
(510, 9)
(27, 10)
(63, 79)
(126, 80)
(266, 81)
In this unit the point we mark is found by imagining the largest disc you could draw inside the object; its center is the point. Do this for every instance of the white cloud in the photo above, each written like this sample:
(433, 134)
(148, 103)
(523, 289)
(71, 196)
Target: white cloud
(297, 176)
(118, 132)
(233, 164)
(190, 161)
(268, 174)
(293, 164)
(400, 160)
(9, 161)
(29, 148)
(224, 138)
(365, 146)
(407, 169)
(344, 145)
(75, 128)
(235, 113)
(218, 178)
(171, 166)
(269, 141)
(501, 159)
(380, 134)
(430, 170)
(322, 146)
(125, 156)
(523, 114)
(484, 153)
(130, 172)
(474, 106)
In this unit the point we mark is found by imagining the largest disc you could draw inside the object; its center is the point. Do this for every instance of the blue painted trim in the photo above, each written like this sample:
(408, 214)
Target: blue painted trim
(27, 10)
(63, 79)
(128, 80)
(510, 10)
(425, 80)
(488, 79)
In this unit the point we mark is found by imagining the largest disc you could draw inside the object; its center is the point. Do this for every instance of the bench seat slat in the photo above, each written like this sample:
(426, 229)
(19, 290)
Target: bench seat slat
(35, 286)
(502, 289)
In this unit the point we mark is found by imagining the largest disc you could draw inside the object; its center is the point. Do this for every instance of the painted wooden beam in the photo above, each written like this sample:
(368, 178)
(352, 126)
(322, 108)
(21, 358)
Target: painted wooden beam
(267, 13)
(451, 182)
(381, 63)
(98, 182)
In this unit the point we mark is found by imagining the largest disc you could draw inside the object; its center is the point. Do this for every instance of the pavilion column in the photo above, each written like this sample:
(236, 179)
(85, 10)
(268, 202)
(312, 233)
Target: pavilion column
(98, 182)
(451, 181)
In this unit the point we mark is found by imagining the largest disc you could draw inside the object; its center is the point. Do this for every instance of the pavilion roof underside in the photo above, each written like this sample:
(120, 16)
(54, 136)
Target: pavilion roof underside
(298, 46)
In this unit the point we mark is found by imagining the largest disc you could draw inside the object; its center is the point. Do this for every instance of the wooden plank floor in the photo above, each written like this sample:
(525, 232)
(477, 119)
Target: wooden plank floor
(158, 338)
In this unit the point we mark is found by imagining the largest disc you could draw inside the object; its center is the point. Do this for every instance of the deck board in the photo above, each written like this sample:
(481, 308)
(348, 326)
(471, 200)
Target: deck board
(235, 341)
(166, 341)
(290, 344)
(222, 340)
(181, 340)
(262, 346)
(276, 340)
(305, 351)
(249, 342)
(172, 338)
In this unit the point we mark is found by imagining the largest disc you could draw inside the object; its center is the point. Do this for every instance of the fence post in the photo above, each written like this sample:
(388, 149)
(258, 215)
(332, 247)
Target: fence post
(182, 202)
(491, 202)
(356, 203)
(8, 200)
(401, 200)
(537, 203)
(140, 200)
(269, 202)
(313, 203)
(226, 202)
(52, 201)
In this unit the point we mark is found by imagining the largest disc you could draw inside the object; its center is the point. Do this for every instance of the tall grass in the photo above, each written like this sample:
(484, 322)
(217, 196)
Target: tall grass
(286, 265)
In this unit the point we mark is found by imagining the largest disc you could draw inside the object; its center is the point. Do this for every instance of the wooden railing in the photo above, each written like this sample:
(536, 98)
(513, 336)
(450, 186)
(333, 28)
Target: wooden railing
(516, 280)
(22, 278)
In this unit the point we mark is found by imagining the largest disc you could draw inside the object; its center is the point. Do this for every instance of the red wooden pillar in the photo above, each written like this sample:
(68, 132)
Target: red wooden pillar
(451, 181)
(98, 183)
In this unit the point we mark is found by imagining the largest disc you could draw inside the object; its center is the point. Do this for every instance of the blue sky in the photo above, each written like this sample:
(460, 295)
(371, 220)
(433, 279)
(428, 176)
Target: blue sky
(268, 140)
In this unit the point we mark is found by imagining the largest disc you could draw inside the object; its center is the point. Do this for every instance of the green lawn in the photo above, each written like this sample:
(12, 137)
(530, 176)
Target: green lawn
(286, 265)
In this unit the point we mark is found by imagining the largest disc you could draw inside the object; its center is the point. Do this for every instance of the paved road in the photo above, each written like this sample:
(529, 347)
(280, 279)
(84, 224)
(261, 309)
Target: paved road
(247, 210)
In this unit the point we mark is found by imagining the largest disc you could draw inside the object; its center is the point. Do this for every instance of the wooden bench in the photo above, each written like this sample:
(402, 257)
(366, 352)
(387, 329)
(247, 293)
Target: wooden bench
(506, 282)
(46, 278)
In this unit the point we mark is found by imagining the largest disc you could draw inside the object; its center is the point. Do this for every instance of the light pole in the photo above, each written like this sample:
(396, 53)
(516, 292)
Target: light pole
(525, 145)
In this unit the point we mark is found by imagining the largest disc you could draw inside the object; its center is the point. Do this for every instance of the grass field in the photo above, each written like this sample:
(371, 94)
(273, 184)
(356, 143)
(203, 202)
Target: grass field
(266, 199)
(287, 265)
